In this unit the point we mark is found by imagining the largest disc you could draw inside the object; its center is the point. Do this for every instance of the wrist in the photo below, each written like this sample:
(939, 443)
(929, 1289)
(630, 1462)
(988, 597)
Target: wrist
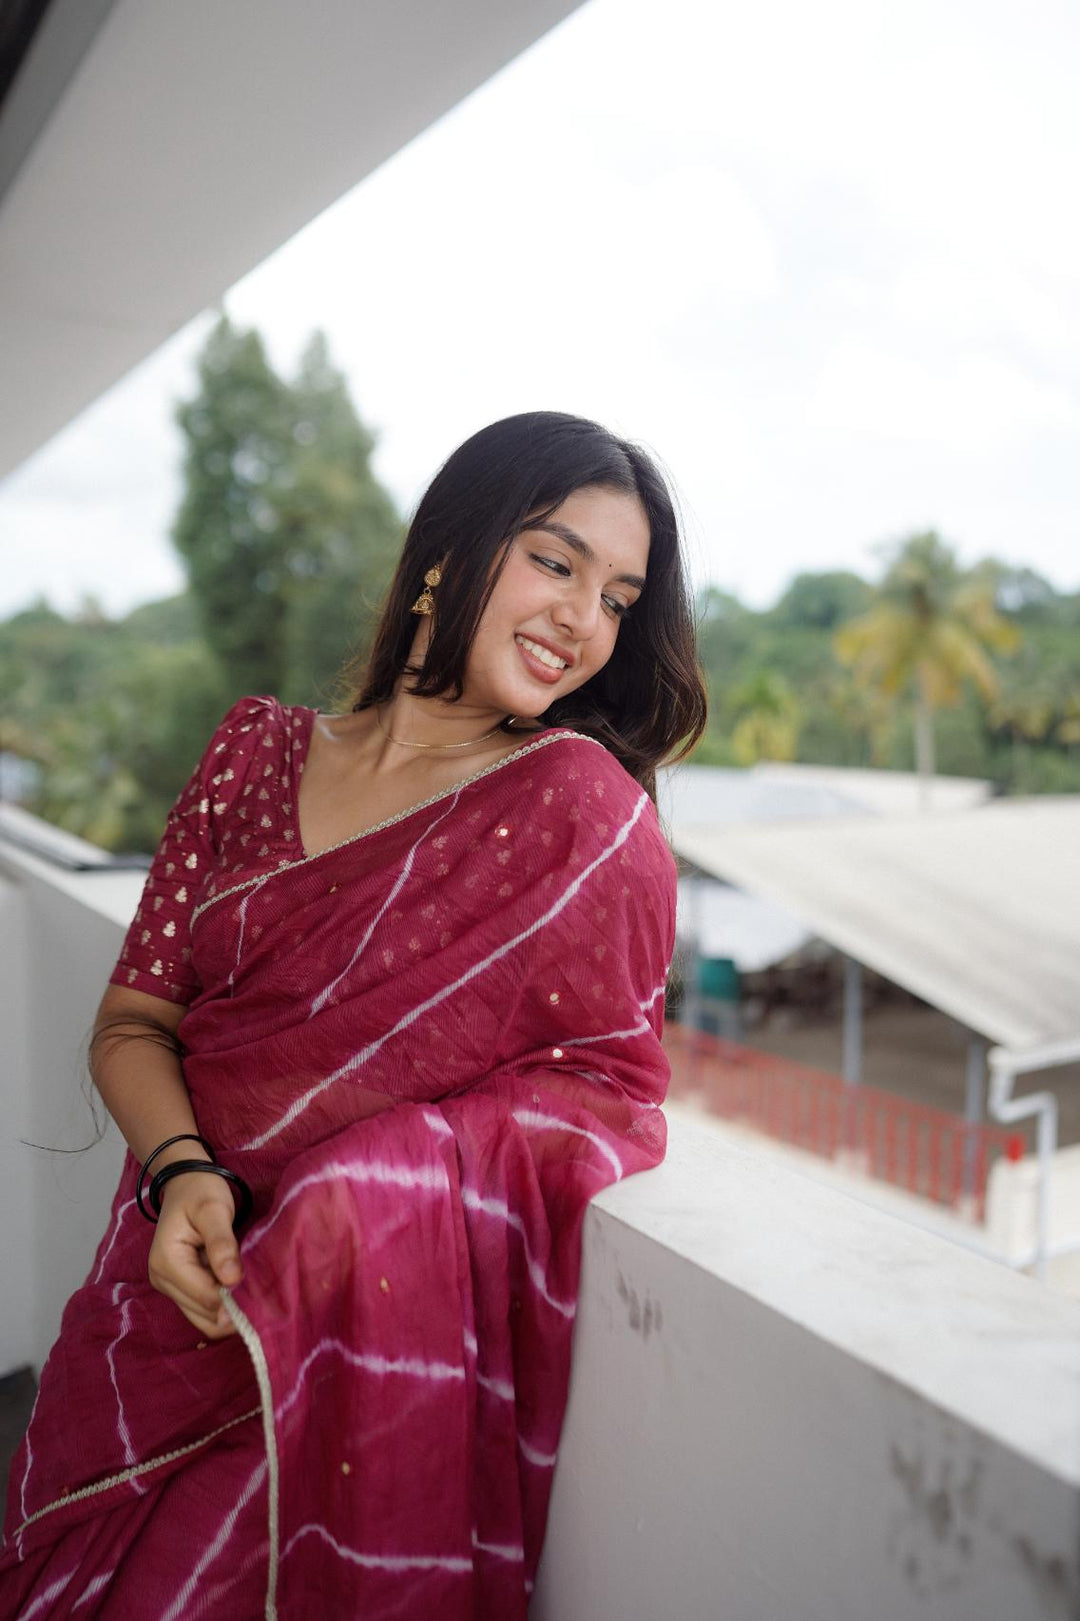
(169, 1152)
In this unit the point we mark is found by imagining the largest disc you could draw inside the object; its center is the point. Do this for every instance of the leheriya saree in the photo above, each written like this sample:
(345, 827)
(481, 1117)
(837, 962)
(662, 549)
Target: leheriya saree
(425, 1050)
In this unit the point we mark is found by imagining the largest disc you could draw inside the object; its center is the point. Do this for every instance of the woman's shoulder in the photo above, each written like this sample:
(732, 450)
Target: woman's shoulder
(570, 758)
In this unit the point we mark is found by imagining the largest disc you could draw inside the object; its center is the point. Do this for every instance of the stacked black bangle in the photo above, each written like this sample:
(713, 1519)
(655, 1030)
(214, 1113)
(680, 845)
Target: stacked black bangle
(177, 1167)
(181, 1137)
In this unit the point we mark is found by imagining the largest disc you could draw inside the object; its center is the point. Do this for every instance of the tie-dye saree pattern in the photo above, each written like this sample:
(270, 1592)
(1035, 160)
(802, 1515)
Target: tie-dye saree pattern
(425, 1049)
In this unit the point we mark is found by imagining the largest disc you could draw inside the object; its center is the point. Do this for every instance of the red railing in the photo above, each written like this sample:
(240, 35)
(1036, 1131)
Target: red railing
(927, 1151)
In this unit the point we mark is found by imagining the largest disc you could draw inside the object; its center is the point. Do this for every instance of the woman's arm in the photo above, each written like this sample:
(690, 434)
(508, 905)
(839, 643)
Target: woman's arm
(135, 1064)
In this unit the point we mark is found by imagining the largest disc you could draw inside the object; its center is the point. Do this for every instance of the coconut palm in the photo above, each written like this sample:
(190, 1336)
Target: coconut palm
(931, 630)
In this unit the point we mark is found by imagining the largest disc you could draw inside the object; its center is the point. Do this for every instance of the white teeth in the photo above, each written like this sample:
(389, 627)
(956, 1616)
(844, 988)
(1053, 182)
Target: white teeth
(541, 653)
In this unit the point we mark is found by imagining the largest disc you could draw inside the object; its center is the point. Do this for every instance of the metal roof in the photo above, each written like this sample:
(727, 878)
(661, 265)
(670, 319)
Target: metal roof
(976, 911)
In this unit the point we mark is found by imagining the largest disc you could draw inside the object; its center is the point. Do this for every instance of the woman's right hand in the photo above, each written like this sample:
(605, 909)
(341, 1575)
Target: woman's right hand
(194, 1250)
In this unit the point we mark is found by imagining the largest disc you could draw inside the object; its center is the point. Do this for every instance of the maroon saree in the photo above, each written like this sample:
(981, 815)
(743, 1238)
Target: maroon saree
(425, 1049)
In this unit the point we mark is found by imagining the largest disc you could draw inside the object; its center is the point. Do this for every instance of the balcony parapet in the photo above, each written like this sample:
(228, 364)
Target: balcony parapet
(785, 1405)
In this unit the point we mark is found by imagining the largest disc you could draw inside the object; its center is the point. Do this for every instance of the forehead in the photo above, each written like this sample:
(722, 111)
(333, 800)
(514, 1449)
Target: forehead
(612, 523)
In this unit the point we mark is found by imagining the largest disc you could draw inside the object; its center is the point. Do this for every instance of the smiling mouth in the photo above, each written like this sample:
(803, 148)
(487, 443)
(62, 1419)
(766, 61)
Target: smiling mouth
(544, 654)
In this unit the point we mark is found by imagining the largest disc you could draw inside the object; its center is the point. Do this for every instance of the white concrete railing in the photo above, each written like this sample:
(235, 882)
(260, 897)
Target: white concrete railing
(785, 1406)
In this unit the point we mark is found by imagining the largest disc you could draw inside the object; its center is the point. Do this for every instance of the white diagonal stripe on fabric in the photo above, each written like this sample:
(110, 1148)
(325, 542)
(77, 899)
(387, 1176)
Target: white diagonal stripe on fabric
(501, 1210)
(608, 1035)
(542, 1460)
(397, 1563)
(498, 1387)
(52, 1591)
(210, 1595)
(297, 1107)
(431, 1177)
(512, 1552)
(107, 1483)
(121, 1418)
(29, 1455)
(93, 1587)
(181, 1604)
(129, 1205)
(413, 810)
(659, 991)
(410, 1367)
(407, 866)
(243, 925)
(531, 1120)
(440, 1126)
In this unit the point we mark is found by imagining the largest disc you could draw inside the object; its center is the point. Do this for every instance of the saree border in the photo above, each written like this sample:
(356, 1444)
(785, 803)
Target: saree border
(250, 1336)
(425, 804)
(131, 1473)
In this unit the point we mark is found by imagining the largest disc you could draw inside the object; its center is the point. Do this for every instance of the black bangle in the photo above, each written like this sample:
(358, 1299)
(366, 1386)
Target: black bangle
(181, 1137)
(179, 1166)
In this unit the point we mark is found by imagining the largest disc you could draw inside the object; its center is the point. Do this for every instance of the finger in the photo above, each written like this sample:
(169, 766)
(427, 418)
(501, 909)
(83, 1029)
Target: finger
(219, 1243)
(176, 1268)
(212, 1325)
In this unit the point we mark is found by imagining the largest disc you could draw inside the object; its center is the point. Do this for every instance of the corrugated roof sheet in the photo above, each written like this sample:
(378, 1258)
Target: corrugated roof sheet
(976, 911)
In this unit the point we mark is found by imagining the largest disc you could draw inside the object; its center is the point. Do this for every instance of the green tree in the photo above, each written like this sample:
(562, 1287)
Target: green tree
(282, 526)
(766, 719)
(238, 462)
(931, 630)
(340, 529)
(823, 601)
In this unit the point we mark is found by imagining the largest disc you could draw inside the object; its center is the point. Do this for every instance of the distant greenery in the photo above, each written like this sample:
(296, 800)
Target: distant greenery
(289, 541)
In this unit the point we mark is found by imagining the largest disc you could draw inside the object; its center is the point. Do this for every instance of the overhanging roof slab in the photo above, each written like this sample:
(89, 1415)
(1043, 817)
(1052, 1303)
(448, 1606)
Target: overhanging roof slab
(977, 912)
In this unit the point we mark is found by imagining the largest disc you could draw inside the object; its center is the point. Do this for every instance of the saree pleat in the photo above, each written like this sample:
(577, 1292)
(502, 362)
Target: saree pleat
(426, 1050)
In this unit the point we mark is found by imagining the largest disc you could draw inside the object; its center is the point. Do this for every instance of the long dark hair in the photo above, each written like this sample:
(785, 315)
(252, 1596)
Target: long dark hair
(647, 704)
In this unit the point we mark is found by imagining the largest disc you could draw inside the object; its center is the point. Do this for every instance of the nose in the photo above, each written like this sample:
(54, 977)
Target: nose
(577, 612)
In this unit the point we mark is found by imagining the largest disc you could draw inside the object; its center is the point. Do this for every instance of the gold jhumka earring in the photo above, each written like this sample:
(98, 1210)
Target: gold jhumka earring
(425, 602)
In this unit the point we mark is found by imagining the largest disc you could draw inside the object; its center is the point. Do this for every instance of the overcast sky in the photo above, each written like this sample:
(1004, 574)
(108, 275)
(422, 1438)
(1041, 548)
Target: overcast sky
(824, 260)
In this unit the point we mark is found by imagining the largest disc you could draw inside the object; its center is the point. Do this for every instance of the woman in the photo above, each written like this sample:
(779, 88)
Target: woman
(399, 973)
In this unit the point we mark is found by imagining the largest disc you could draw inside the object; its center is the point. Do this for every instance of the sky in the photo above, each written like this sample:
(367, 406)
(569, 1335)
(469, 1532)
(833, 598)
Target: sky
(823, 260)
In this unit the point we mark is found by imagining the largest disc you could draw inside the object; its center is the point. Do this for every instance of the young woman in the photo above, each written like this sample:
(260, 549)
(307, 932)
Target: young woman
(392, 1003)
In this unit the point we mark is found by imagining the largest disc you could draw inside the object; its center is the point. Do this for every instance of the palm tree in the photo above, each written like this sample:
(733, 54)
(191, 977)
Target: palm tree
(931, 629)
(766, 719)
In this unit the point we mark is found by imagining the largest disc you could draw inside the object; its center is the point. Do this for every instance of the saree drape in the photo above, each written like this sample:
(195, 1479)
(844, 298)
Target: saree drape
(425, 1049)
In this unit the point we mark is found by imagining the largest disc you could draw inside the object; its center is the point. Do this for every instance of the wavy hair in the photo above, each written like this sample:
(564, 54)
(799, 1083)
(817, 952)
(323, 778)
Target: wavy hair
(647, 705)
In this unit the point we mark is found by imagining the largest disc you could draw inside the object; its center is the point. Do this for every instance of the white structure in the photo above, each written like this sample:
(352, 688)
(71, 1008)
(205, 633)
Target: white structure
(151, 153)
(784, 1404)
(976, 911)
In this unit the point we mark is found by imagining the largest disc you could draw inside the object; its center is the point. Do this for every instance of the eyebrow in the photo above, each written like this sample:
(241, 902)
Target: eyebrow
(582, 547)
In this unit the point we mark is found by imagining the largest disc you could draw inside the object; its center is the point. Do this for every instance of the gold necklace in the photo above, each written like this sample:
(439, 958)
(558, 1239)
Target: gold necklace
(470, 742)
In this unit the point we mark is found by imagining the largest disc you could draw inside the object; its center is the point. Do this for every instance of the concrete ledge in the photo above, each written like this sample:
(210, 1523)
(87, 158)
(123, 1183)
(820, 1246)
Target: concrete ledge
(787, 1405)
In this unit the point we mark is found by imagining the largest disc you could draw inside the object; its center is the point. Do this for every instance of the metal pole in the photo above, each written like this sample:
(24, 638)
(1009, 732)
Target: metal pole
(853, 1027)
(974, 1091)
(852, 1044)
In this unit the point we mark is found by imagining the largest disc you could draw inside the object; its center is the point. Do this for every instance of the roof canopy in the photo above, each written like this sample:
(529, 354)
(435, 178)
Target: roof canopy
(153, 152)
(976, 911)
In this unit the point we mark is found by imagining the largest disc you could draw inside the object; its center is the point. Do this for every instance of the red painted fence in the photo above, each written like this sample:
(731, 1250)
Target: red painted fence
(927, 1151)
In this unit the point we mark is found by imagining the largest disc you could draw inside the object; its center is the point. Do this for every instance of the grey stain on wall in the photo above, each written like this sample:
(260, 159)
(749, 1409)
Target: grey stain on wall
(642, 1317)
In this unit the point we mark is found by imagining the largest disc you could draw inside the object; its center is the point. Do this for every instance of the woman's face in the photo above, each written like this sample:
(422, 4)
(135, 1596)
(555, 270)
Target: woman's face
(554, 615)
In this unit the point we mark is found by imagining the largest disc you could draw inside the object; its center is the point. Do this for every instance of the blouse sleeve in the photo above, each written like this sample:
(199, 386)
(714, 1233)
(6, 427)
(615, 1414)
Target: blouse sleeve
(156, 955)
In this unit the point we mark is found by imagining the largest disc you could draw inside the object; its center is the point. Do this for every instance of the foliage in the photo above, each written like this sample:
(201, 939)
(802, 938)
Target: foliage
(288, 541)
(930, 630)
(283, 527)
(767, 719)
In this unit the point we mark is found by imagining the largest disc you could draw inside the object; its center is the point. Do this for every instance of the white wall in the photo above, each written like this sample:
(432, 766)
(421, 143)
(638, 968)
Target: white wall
(787, 1406)
(59, 937)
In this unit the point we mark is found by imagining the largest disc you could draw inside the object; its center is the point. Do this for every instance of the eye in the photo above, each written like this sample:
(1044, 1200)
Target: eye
(619, 609)
(553, 563)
